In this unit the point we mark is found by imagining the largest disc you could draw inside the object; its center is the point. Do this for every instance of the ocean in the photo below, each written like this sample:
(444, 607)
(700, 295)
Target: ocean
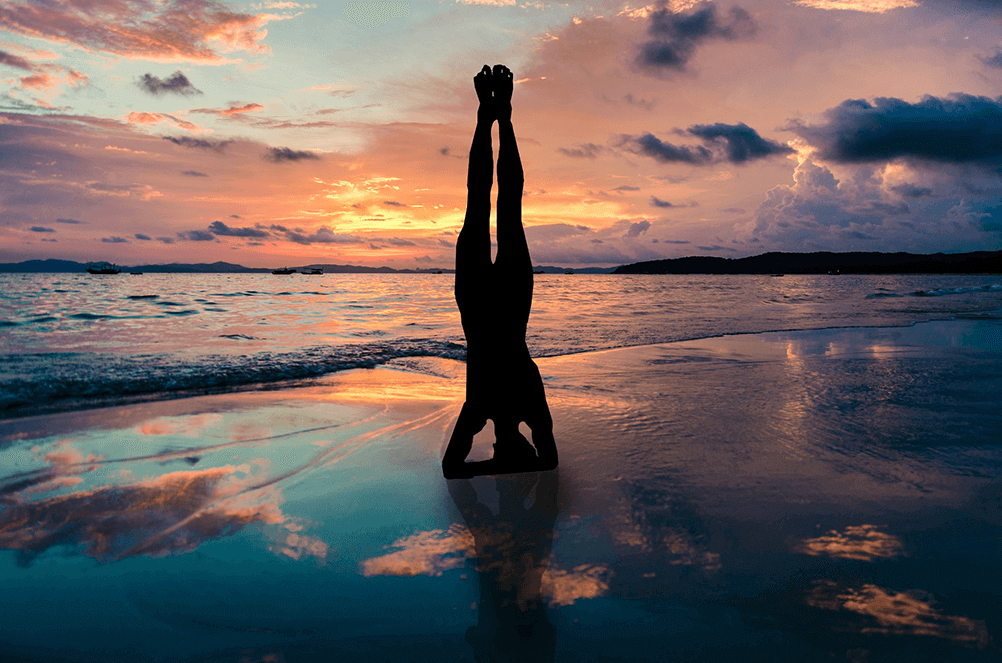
(752, 468)
(73, 341)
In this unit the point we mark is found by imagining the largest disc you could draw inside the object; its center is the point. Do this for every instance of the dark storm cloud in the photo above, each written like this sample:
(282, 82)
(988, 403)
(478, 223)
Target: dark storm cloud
(741, 143)
(201, 143)
(176, 83)
(40, 229)
(994, 60)
(734, 143)
(657, 202)
(70, 221)
(12, 60)
(394, 203)
(909, 190)
(284, 154)
(676, 36)
(651, 146)
(196, 235)
(586, 151)
(637, 229)
(114, 240)
(220, 228)
(959, 129)
(143, 237)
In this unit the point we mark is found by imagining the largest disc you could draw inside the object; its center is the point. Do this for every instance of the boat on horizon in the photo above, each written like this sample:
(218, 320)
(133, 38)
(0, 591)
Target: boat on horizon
(103, 268)
(283, 270)
(313, 270)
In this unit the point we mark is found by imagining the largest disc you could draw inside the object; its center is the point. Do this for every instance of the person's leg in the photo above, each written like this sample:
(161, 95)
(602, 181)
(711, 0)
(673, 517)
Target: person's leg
(473, 247)
(513, 266)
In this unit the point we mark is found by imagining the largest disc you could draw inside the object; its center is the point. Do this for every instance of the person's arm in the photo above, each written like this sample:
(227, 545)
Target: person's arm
(468, 425)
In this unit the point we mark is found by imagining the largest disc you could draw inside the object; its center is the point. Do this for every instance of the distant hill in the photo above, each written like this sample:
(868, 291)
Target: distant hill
(550, 269)
(220, 267)
(825, 262)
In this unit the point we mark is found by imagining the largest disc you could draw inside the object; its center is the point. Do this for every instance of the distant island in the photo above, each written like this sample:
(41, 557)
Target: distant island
(826, 262)
(220, 267)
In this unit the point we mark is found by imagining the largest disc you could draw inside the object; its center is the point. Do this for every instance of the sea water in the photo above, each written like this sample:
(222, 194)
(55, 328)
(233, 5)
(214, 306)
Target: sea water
(69, 341)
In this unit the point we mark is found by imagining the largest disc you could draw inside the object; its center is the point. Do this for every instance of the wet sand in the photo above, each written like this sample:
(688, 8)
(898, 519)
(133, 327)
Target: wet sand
(831, 494)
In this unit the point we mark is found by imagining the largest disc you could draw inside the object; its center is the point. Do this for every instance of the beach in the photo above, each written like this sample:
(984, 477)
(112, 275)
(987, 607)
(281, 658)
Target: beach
(803, 495)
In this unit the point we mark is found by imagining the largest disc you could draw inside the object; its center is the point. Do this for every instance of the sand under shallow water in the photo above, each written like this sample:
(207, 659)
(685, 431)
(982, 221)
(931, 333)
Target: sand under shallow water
(821, 495)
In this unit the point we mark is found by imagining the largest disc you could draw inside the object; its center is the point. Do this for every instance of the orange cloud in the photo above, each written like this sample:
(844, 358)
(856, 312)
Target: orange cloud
(147, 119)
(235, 109)
(189, 30)
(40, 81)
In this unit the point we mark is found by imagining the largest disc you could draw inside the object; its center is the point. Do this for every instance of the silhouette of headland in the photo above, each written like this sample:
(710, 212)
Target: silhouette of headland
(826, 262)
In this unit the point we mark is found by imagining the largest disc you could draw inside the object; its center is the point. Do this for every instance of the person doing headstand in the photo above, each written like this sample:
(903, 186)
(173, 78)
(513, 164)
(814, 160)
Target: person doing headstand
(502, 382)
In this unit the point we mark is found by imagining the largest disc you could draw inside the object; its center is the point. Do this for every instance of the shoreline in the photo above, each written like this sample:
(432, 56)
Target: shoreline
(100, 402)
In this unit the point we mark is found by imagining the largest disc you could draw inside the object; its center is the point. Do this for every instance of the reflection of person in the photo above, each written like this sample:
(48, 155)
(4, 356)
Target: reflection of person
(502, 382)
(513, 551)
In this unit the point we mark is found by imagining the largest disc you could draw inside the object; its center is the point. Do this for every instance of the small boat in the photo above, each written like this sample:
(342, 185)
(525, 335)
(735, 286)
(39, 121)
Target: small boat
(568, 271)
(313, 270)
(283, 270)
(103, 268)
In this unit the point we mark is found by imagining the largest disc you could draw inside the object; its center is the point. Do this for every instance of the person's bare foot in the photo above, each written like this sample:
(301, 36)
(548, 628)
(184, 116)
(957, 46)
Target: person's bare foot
(504, 82)
(483, 82)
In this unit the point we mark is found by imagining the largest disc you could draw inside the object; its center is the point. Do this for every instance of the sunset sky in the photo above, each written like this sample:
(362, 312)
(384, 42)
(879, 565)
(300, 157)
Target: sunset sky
(273, 133)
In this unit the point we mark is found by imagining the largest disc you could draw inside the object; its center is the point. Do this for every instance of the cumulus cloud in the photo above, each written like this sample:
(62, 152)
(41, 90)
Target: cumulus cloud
(657, 202)
(114, 239)
(958, 129)
(141, 236)
(176, 83)
(733, 143)
(220, 228)
(42, 229)
(285, 154)
(876, 208)
(201, 143)
(185, 30)
(675, 36)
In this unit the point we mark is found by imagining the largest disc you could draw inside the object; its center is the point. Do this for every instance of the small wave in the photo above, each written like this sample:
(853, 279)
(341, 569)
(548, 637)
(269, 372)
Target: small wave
(185, 312)
(168, 303)
(143, 296)
(939, 292)
(36, 383)
(86, 316)
(240, 337)
(9, 323)
(882, 295)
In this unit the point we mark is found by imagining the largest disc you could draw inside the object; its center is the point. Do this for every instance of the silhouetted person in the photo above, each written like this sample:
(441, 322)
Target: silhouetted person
(513, 552)
(502, 381)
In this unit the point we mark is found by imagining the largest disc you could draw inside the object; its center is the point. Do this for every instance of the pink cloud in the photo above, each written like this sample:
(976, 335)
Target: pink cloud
(40, 81)
(191, 30)
(149, 119)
